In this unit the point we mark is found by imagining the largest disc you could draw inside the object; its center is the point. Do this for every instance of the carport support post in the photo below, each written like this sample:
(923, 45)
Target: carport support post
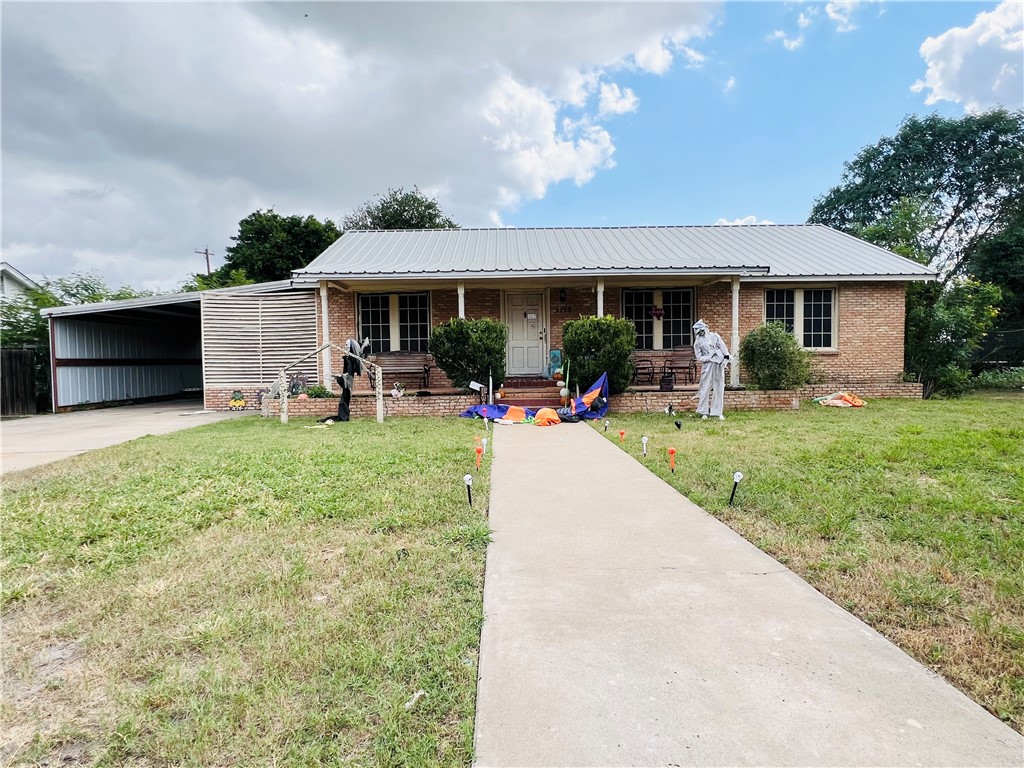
(600, 297)
(734, 342)
(325, 350)
(461, 286)
(284, 404)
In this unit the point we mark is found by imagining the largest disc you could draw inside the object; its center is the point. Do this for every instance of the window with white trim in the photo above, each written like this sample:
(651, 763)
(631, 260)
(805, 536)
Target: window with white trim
(395, 321)
(663, 317)
(808, 313)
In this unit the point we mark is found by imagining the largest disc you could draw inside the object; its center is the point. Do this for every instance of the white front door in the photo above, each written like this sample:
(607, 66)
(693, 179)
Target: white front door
(524, 313)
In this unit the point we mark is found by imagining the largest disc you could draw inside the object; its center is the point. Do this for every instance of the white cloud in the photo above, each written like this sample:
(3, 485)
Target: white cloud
(979, 66)
(789, 43)
(841, 12)
(616, 101)
(744, 222)
(135, 133)
(805, 19)
(729, 84)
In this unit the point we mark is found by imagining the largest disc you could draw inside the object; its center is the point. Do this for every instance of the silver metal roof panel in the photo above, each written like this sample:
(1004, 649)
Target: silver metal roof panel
(778, 251)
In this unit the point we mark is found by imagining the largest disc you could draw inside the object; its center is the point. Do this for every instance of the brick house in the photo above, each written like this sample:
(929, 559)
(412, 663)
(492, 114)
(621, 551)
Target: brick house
(842, 297)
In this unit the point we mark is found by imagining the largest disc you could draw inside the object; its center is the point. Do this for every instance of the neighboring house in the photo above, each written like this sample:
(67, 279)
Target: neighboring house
(842, 297)
(13, 283)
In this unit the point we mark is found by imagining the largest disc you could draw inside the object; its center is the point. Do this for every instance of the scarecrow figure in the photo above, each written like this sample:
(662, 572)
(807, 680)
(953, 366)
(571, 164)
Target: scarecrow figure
(713, 355)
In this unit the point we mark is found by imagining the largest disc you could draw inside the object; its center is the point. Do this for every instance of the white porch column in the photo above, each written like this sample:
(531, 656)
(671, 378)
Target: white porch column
(462, 299)
(734, 342)
(325, 338)
(600, 297)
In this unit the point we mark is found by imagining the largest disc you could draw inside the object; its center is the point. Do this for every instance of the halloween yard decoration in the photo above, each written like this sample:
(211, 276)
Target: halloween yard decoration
(713, 355)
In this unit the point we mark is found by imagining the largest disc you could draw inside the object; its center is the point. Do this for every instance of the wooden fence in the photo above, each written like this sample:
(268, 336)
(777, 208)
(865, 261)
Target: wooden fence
(17, 382)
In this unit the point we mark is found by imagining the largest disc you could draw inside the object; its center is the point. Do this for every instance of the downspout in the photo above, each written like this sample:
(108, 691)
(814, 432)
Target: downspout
(600, 297)
(734, 342)
(462, 299)
(325, 333)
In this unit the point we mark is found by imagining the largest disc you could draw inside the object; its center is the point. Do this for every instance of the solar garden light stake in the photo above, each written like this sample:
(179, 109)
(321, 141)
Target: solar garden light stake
(485, 445)
(736, 477)
(468, 480)
(644, 440)
(479, 453)
(672, 460)
(606, 425)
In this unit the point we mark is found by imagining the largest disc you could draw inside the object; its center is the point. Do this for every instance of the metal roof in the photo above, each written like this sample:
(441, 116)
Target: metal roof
(146, 302)
(757, 252)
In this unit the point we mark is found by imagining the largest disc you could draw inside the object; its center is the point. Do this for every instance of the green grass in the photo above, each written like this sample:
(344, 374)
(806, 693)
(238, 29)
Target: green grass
(908, 513)
(247, 593)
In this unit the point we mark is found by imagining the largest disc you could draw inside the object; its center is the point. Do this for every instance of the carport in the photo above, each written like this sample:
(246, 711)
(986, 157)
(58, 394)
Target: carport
(206, 343)
(127, 350)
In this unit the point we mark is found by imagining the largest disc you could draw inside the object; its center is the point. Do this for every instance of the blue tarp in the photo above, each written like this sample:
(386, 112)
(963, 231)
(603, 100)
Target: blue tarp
(492, 412)
(592, 404)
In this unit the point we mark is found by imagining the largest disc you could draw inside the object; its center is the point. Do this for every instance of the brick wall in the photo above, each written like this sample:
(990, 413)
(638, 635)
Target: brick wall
(869, 324)
(578, 301)
(219, 399)
(363, 406)
(752, 399)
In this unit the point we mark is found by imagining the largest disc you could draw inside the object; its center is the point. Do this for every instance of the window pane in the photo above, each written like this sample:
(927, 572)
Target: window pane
(817, 318)
(375, 321)
(780, 307)
(677, 321)
(413, 321)
(636, 306)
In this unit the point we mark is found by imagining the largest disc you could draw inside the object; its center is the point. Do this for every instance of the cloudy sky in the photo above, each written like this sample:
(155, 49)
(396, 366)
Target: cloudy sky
(134, 134)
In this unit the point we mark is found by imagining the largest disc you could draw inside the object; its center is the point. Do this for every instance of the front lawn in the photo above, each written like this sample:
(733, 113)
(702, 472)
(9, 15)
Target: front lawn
(247, 593)
(910, 514)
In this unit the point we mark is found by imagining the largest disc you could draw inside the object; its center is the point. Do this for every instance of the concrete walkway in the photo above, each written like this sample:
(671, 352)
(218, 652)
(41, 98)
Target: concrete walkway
(625, 626)
(35, 440)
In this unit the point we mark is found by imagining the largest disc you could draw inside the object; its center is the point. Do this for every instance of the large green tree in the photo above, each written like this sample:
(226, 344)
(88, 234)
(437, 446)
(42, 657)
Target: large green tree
(945, 192)
(399, 209)
(966, 175)
(269, 246)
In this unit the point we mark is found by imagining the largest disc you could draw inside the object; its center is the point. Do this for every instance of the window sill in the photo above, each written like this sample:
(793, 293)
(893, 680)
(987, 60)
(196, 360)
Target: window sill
(823, 352)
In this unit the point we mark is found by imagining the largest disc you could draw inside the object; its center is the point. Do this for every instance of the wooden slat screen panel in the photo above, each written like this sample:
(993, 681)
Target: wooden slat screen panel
(247, 340)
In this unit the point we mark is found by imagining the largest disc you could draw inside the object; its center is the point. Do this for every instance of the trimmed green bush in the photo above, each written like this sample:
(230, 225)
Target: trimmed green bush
(1010, 378)
(593, 345)
(468, 350)
(771, 358)
(319, 390)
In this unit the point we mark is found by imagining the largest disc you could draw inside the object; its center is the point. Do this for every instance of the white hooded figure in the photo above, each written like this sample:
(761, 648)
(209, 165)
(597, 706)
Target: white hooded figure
(713, 355)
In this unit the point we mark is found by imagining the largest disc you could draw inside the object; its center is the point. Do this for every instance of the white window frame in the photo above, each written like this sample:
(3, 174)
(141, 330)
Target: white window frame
(394, 324)
(798, 311)
(657, 328)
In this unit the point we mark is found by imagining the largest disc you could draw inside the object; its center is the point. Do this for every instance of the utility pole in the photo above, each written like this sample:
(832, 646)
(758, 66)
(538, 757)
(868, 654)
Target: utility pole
(207, 253)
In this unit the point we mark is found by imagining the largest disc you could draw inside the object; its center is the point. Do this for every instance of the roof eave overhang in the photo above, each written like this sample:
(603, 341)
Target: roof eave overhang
(908, 278)
(308, 278)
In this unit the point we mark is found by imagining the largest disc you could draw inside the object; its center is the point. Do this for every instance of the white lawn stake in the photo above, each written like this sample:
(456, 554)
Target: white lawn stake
(644, 441)
(736, 477)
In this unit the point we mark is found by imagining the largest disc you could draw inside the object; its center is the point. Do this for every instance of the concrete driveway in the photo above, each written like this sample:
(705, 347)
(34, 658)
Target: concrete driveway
(35, 440)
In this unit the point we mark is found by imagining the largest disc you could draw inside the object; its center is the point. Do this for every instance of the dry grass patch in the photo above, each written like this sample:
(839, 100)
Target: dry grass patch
(248, 593)
(906, 513)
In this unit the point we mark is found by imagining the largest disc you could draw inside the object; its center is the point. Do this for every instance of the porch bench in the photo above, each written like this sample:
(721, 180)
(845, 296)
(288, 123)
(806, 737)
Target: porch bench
(643, 370)
(681, 363)
(414, 365)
